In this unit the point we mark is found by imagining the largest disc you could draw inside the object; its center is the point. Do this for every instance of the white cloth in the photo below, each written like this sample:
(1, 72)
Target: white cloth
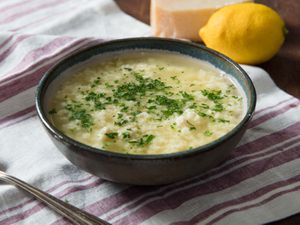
(258, 184)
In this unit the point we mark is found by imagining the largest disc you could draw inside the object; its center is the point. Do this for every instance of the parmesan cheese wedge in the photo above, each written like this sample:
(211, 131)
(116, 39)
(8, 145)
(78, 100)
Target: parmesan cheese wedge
(183, 18)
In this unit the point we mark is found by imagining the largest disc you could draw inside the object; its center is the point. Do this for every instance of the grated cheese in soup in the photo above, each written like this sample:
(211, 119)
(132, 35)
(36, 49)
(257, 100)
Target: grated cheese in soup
(147, 103)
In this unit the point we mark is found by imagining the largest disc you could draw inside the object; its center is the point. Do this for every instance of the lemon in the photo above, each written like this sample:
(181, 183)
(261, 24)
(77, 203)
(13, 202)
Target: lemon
(249, 33)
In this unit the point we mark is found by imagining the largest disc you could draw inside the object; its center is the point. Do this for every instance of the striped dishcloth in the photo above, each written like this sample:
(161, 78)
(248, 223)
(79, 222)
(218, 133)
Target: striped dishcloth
(258, 184)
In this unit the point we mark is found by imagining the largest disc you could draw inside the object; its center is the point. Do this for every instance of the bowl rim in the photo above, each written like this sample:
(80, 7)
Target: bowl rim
(43, 85)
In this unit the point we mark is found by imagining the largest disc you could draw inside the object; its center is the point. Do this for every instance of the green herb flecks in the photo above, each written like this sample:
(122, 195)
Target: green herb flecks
(173, 126)
(121, 122)
(112, 135)
(171, 105)
(96, 99)
(204, 106)
(128, 68)
(126, 135)
(218, 107)
(131, 90)
(187, 97)
(221, 120)
(77, 112)
(192, 127)
(143, 141)
(208, 133)
(52, 111)
(108, 85)
(212, 95)
(96, 82)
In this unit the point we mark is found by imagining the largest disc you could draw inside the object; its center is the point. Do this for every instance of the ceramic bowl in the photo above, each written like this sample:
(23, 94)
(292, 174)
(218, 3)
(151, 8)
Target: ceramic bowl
(145, 169)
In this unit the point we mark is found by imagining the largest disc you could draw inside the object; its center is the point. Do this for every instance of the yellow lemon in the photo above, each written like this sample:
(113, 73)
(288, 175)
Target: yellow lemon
(248, 33)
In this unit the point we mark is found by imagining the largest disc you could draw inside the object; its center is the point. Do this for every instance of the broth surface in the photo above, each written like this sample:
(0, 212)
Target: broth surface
(147, 103)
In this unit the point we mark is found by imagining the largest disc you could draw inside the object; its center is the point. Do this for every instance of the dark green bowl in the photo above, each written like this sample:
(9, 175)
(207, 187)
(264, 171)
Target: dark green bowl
(146, 169)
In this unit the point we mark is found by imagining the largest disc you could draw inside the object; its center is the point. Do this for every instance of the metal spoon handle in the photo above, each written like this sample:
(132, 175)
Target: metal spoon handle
(74, 214)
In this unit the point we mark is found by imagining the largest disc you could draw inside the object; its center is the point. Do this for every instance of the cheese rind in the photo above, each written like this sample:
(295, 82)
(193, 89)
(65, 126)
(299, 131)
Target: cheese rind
(183, 19)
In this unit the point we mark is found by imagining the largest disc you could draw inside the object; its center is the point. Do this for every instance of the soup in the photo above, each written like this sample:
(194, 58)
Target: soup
(146, 102)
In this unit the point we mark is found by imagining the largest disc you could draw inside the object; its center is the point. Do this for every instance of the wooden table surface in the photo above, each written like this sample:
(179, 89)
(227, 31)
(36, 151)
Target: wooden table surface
(284, 68)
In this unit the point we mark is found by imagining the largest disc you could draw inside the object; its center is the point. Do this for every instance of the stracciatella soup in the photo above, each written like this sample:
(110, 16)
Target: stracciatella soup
(147, 103)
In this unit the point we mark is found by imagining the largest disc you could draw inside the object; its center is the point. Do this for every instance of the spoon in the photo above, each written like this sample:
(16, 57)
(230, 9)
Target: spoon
(77, 216)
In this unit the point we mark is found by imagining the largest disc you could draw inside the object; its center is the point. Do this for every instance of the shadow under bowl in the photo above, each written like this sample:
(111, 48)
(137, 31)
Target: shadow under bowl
(146, 169)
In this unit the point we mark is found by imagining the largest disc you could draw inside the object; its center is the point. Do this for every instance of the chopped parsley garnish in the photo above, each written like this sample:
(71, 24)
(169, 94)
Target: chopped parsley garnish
(126, 135)
(151, 107)
(108, 85)
(212, 95)
(52, 111)
(187, 97)
(95, 97)
(77, 112)
(204, 106)
(145, 140)
(128, 69)
(175, 78)
(96, 82)
(121, 122)
(173, 126)
(208, 133)
(92, 96)
(131, 90)
(171, 105)
(230, 88)
(112, 135)
(221, 120)
(192, 127)
(218, 107)
(99, 106)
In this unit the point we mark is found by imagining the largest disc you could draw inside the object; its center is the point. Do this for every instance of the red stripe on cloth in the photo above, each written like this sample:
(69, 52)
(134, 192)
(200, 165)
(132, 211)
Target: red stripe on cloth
(13, 6)
(273, 114)
(17, 86)
(272, 106)
(133, 191)
(18, 119)
(216, 185)
(18, 114)
(260, 203)
(26, 12)
(271, 139)
(235, 202)
(40, 206)
(44, 20)
(31, 57)
(23, 83)
(48, 191)
(44, 58)
(6, 41)
(8, 51)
